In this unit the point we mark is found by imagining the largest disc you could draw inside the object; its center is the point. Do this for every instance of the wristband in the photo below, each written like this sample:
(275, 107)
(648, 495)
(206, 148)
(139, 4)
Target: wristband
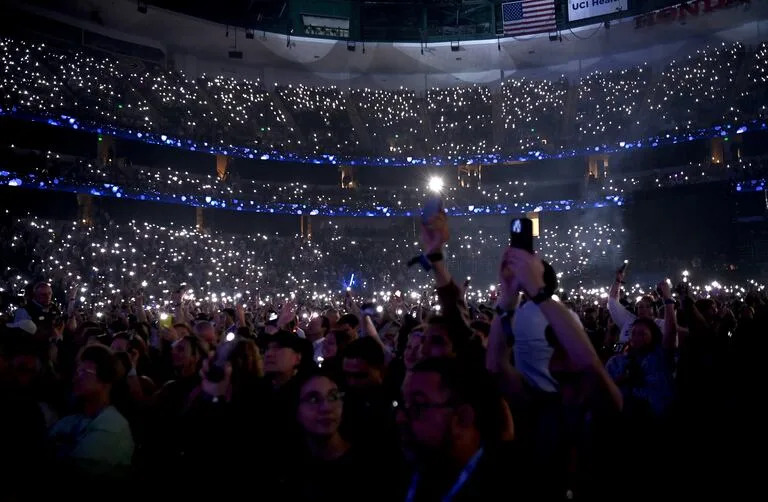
(434, 257)
(421, 260)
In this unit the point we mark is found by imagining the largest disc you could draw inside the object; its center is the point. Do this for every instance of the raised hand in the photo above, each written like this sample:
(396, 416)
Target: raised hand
(527, 271)
(664, 290)
(435, 233)
(287, 313)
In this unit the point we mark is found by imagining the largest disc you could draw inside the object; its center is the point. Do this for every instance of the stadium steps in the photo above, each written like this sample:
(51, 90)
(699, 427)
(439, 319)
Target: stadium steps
(497, 100)
(201, 91)
(50, 73)
(740, 80)
(358, 125)
(425, 120)
(568, 130)
(288, 116)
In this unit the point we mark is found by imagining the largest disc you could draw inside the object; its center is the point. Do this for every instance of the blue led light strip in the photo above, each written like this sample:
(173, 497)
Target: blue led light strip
(757, 185)
(394, 161)
(32, 181)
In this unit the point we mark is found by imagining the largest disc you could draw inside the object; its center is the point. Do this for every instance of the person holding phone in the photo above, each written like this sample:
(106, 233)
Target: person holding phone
(449, 333)
(645, 308)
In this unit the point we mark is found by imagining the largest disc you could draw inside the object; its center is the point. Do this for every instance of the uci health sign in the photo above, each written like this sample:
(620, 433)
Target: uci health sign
(583, 9)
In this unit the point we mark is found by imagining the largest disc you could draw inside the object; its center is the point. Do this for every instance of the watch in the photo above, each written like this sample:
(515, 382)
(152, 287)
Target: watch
(541, 295)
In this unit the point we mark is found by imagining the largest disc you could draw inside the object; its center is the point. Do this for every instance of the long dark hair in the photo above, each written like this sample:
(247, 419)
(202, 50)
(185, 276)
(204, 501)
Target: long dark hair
(656, 334)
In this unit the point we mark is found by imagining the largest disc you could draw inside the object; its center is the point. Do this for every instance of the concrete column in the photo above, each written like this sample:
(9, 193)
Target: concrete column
(85, 209)
(716, 155)
(105, 150)
(199, 219)
(222, 166)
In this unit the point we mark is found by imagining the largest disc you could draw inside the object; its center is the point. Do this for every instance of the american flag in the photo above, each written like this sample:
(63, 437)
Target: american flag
(526, 17)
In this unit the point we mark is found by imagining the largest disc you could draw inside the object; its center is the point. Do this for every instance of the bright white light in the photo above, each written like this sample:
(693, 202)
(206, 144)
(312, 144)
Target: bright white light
(435, 184)
(163, 316)
(230, 336)
(379, 309)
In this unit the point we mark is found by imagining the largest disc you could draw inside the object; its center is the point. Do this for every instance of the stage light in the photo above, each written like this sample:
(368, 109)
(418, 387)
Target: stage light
(435, 184)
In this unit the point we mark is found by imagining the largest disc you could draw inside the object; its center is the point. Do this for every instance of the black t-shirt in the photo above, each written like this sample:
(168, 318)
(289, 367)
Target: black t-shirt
(357, 475)
(369, 419)
(501, 474)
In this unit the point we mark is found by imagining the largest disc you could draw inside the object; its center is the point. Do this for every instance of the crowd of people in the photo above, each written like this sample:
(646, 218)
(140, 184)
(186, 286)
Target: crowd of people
(461, 121)
(720, 84)
(434, 358)
(119, 177)
(111, 257)
(610, 103)
(534, 112)
(428, 394)
(392, 117)
(321, 113)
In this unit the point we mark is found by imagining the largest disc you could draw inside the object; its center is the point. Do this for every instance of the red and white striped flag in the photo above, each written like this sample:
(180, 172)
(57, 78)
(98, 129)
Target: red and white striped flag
(526, 17)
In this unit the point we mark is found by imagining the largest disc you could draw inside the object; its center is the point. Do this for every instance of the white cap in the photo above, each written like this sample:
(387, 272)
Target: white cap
(25, 324)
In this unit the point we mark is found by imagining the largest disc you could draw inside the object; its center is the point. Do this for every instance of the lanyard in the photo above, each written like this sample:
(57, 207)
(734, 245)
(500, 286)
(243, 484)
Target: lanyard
(457, 486)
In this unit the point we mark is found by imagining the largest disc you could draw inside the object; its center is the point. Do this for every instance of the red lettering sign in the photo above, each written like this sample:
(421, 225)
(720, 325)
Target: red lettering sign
(670, 14)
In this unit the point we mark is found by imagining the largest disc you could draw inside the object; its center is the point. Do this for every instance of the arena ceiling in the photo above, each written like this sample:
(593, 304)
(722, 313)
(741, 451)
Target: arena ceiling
(199, 46)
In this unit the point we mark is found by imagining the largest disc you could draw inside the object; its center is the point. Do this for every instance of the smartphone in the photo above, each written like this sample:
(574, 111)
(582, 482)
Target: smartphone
(166, 320)
(433, 206)
(521, 234)
(623, 267)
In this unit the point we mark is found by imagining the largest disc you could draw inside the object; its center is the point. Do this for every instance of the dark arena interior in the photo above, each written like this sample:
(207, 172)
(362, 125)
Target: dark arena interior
(395, 250)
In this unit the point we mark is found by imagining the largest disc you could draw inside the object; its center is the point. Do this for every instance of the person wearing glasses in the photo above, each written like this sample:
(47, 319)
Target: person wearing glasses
(457, 435)
(97, 441)
(331, 467)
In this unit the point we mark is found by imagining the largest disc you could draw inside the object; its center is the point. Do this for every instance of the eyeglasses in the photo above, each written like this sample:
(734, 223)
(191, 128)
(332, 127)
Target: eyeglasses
(84, 371)
(315, 399)
(414, 411)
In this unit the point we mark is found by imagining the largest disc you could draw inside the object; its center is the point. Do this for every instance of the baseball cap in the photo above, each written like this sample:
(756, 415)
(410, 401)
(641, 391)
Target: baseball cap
(286, 340)
(26, 325)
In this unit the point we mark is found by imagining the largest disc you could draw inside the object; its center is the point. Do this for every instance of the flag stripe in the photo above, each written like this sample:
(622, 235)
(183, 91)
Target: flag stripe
(540, 9)
(528, 27)
(534, 18)
(528, 16)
